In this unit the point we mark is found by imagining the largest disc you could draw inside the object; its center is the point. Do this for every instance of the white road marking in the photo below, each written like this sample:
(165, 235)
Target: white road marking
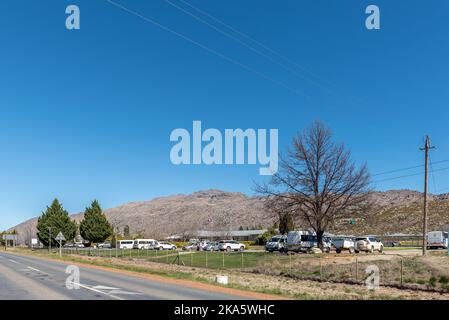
(105, 288)
(34, 269)
(98, 291)
(14, 261)
(124, 292)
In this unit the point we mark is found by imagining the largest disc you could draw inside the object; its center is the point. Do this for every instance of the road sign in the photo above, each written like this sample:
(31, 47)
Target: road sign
(11, 237)
(60, 237)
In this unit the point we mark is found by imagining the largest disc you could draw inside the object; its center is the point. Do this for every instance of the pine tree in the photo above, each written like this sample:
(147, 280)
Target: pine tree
(95, 227)
(126, 233)
(52, 221)
(286, 223)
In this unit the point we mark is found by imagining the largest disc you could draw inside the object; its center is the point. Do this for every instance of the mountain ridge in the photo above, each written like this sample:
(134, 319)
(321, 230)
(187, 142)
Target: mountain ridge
(215, 209)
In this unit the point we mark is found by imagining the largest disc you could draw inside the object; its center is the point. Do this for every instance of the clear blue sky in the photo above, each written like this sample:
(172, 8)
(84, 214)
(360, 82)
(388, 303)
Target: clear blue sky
(87, 114)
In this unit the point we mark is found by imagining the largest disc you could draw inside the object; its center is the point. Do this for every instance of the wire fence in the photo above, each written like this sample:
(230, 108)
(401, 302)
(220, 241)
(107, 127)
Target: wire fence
(413, 272)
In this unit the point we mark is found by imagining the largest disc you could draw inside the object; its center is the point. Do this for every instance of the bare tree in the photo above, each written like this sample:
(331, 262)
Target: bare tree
(317, 182)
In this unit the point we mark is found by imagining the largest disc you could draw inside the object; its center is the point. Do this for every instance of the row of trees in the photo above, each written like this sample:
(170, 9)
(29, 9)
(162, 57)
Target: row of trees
(94, 227)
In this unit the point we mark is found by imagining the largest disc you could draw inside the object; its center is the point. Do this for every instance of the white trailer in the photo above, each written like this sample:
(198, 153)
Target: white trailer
(296, 240)
(342, 243)
(437, 239)
(305, 241)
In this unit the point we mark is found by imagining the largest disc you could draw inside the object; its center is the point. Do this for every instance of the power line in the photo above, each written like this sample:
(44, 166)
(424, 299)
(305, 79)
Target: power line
(204, 47)
(397, 170)
(433, 175)
(407, 168)
(271, 50)
(411, 175)
(251, 39)
(230, 36)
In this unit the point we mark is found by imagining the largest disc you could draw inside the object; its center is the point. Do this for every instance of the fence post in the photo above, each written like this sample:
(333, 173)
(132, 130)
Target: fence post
(321, 269)
(402, 271)
(191, 259)
(290, 264)
(166, 256)
(223, 258)
(206, 259)
(356, 269)
(242, 259)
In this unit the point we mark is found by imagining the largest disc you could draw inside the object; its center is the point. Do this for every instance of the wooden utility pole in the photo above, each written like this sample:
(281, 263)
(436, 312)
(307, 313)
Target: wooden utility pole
(426, 149)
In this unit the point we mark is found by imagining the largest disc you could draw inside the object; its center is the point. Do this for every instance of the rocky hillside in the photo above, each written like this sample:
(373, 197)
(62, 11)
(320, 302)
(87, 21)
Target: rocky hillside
(395, 211)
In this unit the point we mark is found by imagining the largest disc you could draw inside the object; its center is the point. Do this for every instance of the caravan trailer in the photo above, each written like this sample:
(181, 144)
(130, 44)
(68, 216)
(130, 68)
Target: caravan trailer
(305, 241)
(295, 239)
(437, 239)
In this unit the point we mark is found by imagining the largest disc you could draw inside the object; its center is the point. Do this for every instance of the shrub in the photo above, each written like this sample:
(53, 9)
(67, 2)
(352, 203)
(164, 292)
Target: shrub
(443, 280)
(432, 281)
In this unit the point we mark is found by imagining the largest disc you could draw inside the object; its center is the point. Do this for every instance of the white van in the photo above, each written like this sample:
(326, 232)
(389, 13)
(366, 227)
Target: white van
(125, 244)
(437, 239)
(145, 244)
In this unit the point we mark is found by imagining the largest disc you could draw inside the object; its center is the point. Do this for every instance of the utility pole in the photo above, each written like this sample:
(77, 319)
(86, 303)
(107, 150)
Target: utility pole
(426, 149)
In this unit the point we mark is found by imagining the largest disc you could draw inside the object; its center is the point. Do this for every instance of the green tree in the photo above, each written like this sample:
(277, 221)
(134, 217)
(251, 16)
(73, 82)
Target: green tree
(95, 227)
(126, 231)
(54, 220)
(286, 223)
(263, 238)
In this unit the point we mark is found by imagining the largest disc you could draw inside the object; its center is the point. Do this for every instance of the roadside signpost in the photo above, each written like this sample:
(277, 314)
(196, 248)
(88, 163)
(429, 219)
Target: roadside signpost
(10, 238)
(60, 237)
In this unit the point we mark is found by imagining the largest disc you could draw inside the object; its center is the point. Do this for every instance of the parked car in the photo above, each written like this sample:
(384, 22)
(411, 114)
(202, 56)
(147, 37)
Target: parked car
(393, 244)
(190, 246)
(211, 246)
(145, 244)
(202, 245)
(230, 245)
(69, 245)
(437, 239)
(368, 244)
(163, 245)
(344, 243)
(276, 243)
(104, 245)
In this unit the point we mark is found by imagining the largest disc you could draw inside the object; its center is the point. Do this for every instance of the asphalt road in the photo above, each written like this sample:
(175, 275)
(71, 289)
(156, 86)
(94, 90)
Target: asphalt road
(30, 278)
